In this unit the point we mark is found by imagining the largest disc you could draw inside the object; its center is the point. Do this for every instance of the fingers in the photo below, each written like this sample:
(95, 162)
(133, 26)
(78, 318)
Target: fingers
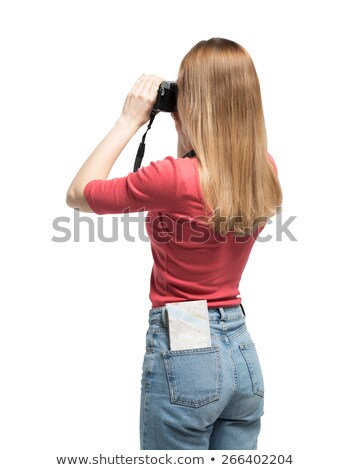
(146, 85)
(141, 98)
(151, 84)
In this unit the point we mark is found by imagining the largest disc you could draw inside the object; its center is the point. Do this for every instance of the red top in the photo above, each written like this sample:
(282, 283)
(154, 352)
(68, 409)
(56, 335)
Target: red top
(191, 262)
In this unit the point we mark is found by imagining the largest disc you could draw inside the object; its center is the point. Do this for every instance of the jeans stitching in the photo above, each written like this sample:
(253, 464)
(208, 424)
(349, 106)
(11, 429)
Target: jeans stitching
(146, 394)
(257, 388)
(235, 374)
(242, 329)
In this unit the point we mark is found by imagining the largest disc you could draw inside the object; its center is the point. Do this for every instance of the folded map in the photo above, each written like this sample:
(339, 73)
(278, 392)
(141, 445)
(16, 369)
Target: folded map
(188, 325)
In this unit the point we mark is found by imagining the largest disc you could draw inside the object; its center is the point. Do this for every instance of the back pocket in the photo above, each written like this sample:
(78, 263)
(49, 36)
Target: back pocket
(251, 358)
(194, 375)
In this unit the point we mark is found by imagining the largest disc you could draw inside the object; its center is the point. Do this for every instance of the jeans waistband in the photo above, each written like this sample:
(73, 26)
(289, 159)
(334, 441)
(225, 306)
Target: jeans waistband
(235, 312)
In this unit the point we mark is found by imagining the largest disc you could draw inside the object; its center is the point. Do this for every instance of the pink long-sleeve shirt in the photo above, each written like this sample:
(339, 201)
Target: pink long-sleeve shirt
(191, 262)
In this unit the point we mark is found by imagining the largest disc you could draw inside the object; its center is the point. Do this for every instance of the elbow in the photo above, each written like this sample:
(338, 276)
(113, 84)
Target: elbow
(71, 200)
(77, 201)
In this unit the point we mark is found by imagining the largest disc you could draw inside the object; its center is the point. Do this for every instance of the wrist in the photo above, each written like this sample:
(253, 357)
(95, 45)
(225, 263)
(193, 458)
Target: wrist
(128, 124)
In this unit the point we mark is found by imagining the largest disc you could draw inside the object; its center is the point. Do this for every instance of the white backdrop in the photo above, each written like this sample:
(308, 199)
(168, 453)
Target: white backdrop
(74, 314)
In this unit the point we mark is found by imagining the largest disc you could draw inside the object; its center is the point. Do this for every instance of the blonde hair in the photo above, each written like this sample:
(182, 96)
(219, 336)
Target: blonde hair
(220, 107)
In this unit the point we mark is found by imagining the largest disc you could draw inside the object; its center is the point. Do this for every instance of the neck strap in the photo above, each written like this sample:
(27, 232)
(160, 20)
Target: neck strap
(141, 149)
(190, 154)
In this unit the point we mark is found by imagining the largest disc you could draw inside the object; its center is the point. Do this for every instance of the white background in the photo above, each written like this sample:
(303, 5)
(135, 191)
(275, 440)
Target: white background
(74, 315)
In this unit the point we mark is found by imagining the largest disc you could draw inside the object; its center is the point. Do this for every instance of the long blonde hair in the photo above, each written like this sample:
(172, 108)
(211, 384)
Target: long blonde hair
(220, 107)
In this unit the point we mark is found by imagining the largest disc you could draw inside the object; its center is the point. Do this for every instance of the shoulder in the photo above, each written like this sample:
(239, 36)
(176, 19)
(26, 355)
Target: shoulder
(173, 163)
(172, 176)
(167, 164)
(170, 167)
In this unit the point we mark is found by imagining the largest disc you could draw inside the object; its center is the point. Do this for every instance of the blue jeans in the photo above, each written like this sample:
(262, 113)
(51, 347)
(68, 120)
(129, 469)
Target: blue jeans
(208, 398)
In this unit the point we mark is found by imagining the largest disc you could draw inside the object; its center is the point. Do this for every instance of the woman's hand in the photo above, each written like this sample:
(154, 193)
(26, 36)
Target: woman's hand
(140, 100)
(183, 144)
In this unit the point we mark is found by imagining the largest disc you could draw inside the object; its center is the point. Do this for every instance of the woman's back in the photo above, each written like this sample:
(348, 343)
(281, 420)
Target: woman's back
(191, 260)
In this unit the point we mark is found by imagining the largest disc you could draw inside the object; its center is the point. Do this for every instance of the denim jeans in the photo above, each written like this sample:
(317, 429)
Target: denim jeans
(207, 398)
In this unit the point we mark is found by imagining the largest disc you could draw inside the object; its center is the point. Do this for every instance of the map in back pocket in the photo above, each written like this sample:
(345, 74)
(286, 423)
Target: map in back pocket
(188, 325)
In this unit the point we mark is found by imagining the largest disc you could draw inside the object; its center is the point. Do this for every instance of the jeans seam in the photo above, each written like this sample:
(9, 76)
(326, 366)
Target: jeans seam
(146, 394)
(242, 329)
(257, 390)
(235, 374)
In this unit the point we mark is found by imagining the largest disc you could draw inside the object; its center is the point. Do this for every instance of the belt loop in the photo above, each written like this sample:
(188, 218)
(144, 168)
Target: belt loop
(165, 316)
(242, 309)
(222, 313)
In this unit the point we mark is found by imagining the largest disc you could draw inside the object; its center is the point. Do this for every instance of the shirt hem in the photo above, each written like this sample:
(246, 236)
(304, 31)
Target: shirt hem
(211, 304)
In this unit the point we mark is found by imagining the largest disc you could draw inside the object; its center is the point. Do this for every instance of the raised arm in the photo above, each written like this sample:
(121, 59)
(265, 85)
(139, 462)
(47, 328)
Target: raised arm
(135, 113)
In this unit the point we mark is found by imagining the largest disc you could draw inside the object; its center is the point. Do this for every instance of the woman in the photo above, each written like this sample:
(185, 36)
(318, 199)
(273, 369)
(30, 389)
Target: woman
(204, 215)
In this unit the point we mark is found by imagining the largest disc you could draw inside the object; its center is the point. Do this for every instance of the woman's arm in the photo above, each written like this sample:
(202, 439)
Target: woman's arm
(136, 112)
